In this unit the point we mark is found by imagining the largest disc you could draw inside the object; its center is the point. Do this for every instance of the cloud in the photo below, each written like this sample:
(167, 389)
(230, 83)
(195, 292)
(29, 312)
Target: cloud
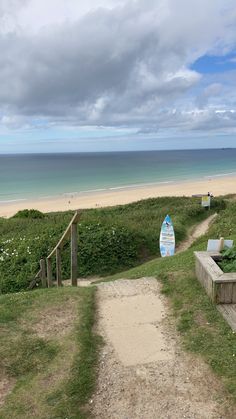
(212, 90)
(9, 10)
(112, 63)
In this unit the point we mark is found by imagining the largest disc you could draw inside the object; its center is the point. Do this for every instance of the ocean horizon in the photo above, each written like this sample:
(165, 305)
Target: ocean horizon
(32, 176)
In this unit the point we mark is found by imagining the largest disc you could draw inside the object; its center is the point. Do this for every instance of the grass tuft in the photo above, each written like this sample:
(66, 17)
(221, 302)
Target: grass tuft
(55, 376)
(26, 354)
(71, 401)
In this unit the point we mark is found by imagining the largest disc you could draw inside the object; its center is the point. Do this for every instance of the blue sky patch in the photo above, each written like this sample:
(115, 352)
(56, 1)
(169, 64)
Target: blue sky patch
(211, 64)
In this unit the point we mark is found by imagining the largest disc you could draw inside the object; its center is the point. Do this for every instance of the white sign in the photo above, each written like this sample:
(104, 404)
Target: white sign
(206, 201)
(214, 245)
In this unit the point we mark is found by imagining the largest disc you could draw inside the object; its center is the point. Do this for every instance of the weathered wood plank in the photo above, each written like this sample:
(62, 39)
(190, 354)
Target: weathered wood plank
(216, 293)
(220, 287)
(221, 244)
(58, 267)
(49, 272)
(35, 280)
(213, 268)
(228, 311)
(43, 274)
(66, 234)
(205, 273)
(234, 294)
(227, 277)
(228, 292)
(74, 254)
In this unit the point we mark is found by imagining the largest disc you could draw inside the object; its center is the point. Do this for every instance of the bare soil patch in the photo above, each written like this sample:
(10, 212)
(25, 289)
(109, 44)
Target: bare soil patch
(56, 321)
(6, 386)
(169, 383)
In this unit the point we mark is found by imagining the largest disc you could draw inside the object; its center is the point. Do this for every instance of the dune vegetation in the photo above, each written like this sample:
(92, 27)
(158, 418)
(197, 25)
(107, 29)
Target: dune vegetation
(109, 240)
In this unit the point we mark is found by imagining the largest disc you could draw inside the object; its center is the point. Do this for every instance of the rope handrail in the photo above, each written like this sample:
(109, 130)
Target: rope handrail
(45, 273)
(66, 233)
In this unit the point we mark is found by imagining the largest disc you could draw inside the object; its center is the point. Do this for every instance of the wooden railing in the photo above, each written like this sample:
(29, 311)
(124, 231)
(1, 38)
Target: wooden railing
(45, 272)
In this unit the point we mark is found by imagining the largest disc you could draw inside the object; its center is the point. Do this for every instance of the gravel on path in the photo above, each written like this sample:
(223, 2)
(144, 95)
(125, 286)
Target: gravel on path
(144, 373)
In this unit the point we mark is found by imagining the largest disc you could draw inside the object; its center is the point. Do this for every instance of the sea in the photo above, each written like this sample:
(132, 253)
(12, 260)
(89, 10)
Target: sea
(32, 176)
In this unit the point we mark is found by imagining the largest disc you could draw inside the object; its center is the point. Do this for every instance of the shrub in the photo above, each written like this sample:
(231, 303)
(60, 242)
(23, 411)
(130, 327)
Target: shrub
(218, 204)
(105, 249)
(32, 213)
(228, 263)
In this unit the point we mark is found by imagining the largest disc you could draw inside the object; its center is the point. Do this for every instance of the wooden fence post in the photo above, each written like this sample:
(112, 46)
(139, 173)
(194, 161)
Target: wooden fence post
(74, 254)
(43, 273)
(58, 267)
(49, 272)
(221, 244)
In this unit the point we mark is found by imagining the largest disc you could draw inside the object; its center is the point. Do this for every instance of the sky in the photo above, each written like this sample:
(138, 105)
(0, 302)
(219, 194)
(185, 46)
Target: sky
(106, 75)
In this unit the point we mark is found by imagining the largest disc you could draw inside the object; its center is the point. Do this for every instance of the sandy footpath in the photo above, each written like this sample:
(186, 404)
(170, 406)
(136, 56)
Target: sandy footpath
(197, 232)
(144, 373)
(217, 186)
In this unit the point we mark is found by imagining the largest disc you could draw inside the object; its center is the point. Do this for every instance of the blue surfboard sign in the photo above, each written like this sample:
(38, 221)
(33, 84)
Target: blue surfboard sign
(167, 238)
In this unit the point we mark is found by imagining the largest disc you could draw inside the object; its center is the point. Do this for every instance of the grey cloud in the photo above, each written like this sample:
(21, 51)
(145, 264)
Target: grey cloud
(123, 66)
(193, 121)
(215, 121)
(9, 10)
(11, 7)
(72, 65)
(212, 90)
(106, 53)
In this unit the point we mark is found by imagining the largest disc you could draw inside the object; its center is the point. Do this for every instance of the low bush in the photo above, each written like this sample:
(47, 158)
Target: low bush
(228, 263)
(32, 213)
(105, 249)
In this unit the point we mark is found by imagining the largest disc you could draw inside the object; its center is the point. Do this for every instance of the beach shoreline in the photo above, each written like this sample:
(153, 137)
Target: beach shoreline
(119, 196)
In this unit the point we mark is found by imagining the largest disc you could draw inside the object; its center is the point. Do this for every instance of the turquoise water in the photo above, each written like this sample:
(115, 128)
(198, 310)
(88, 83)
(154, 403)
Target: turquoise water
(41, 175)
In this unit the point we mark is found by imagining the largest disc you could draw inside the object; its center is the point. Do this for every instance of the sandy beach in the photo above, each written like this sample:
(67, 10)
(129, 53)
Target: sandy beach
(217, 186)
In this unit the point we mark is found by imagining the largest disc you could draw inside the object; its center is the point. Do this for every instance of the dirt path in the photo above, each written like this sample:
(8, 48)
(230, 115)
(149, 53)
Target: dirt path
(197, 232)
(144, 374)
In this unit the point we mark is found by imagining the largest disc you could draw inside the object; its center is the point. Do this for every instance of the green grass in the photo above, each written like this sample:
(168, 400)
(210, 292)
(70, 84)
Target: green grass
(203, 329)
(72, 398)
(54, 375)
(110, 239)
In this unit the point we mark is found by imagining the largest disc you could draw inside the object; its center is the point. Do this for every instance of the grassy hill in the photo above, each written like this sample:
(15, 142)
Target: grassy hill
(48, 350)
(110, 239)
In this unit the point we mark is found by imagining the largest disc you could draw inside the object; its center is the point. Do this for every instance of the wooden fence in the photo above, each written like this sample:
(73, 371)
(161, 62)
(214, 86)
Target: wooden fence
(45, 272)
